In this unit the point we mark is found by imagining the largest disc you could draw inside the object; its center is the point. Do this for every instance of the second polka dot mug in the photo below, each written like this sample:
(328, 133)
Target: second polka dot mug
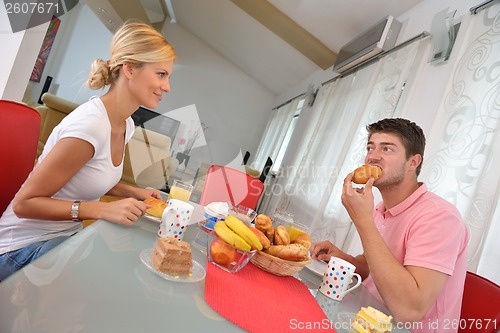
(337, 279)
(175, 219)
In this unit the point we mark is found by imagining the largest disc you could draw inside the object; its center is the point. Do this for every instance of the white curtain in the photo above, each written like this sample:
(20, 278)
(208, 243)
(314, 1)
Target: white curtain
(334, 139)
(275, 133)
(462, 161)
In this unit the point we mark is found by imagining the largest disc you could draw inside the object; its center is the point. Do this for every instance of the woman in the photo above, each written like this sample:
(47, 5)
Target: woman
(83, 157)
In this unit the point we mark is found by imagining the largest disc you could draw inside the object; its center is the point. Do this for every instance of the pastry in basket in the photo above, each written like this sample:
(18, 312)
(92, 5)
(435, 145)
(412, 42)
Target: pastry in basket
(157, 207)
(281, 236)
(292, 252)
(264, 224)
(304, 239)
(372, 320)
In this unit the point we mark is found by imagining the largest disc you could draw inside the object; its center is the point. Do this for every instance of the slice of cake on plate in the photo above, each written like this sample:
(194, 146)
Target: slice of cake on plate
(371, 320)
(172, 256)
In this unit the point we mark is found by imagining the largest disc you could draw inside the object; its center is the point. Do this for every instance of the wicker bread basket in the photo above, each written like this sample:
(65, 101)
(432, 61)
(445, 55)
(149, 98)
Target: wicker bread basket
(277, 266)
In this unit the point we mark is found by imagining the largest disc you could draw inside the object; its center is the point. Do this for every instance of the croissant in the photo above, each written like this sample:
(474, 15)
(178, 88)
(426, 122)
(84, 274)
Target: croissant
(365, 172)
(292, 252)
(281, 236)
(263, 223)
(157, 207)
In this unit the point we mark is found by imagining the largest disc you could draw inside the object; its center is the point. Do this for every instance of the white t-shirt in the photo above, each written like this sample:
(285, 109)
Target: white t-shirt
(88, 122)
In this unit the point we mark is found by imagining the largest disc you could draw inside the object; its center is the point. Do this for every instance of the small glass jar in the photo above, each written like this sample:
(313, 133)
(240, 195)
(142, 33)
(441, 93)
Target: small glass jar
(281, 217)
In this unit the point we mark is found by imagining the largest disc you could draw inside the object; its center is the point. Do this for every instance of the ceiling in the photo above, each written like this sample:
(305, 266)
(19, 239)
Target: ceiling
(277, 42)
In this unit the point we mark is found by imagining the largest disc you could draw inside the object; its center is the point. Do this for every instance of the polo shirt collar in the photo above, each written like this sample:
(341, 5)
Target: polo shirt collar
(405, 204)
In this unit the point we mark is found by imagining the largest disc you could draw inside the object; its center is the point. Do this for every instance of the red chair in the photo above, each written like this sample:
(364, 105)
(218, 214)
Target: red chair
(19, 132)
(226, 184)
(480, 305)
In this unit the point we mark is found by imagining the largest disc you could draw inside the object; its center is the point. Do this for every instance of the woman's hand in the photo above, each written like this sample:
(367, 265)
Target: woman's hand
(125, 211)
(144, 193)
(129, 191)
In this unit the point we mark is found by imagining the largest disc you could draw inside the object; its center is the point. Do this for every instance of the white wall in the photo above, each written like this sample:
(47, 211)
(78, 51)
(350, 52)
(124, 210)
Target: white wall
(81, 38)
(234, 106)
(17, 56)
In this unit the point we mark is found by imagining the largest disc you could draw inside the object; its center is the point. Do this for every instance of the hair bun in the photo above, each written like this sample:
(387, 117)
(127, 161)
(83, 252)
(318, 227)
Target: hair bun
(100, 74)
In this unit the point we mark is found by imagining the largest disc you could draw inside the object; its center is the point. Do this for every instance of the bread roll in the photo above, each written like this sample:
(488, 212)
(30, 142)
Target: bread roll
(365, 172)
(292, 252)
(304, 239)
(157, 207)
(281, 236)
(263, 223)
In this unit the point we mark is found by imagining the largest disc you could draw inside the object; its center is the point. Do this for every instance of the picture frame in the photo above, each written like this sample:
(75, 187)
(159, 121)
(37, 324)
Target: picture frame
(43, 55)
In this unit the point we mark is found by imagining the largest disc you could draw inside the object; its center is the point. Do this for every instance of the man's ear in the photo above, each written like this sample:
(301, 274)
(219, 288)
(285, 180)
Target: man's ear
(415, 161)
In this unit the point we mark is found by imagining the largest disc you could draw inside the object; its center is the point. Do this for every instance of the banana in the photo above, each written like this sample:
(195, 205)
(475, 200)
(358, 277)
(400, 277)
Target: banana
(230, 237)
(242, 230)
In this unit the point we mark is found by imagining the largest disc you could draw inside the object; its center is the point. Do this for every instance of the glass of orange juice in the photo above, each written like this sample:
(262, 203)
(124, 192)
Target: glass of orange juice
(295, 229)
(180, 190)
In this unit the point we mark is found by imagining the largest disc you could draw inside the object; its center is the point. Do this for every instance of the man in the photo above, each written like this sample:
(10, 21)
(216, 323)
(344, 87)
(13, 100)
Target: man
(414, 242)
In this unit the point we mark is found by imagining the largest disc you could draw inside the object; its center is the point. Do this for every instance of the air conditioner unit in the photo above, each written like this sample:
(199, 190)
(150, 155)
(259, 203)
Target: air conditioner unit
(380, 37)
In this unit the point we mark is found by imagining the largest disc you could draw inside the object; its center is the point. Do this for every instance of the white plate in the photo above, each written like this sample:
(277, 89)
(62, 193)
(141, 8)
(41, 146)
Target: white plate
(317, 267)
(152, 218)
(197, 272)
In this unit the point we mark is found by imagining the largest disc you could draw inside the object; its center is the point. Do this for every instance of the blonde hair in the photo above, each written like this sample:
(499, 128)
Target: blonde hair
(134, 43)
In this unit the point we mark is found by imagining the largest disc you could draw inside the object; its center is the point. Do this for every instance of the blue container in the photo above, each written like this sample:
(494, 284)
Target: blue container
(211, 218)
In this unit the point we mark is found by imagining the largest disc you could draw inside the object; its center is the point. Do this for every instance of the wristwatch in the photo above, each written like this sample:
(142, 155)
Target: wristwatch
(74, 211)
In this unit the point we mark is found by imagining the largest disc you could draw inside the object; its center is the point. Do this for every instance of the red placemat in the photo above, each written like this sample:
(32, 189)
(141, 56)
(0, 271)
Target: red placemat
(258, 301)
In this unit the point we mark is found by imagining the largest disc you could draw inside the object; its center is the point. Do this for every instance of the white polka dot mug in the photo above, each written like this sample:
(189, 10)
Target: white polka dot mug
(175, 219)
(337, 279)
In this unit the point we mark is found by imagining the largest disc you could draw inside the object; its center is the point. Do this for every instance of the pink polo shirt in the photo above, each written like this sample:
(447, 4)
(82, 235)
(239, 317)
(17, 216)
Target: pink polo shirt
(427, 231)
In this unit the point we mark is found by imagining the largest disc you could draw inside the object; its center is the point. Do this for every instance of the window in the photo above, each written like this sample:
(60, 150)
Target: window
(286, 140)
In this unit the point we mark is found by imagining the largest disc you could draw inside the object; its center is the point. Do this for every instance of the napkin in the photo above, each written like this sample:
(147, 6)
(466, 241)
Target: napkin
(258, 301)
